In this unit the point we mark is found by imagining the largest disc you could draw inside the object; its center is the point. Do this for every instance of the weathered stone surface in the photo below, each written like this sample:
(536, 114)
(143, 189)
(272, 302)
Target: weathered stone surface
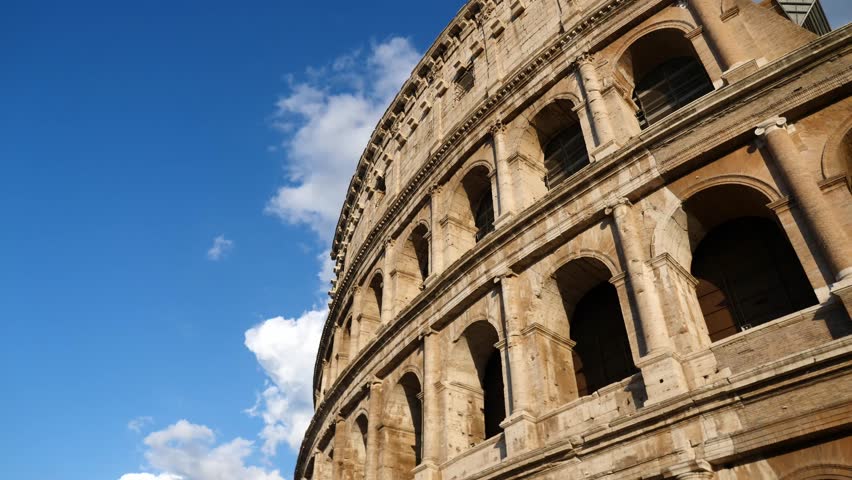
(554, 264)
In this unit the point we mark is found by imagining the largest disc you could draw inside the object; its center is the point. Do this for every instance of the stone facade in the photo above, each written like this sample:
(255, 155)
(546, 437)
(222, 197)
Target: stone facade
(598, 239)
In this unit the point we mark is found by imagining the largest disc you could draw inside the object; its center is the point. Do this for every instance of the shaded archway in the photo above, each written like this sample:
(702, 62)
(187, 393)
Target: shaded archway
(556, 139)
(477, 406)
(747, 270)
(412, 266)
(401, 432)
(471, 213)
(592, 312)
(665, 73)
(358, 445)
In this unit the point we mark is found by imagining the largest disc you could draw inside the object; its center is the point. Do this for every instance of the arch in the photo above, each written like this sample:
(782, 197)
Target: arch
(669, 233)
(358, 445)
(837, 154)
(662, 72)
(554, 139)
(402, 429)
(471, 209)
(475, 370)
(412, 263)
(820, 472)
(373, 302)
(585, 308)
(748, 273)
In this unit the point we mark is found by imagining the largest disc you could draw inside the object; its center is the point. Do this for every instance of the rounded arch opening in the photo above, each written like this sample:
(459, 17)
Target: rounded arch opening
(477, 368)
(402, 431)
(555, 137)
(748, 272)
(413, 263)
(358, 443)
(592, 312)
(664, 72)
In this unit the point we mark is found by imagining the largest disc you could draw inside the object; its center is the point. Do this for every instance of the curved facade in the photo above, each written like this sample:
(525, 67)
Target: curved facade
(598, 239)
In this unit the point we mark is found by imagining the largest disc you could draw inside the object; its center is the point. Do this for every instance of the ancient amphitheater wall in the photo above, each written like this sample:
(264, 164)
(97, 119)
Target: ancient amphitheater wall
(478, 277)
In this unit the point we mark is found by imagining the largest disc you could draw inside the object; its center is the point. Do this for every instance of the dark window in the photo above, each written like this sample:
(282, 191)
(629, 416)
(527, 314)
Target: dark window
(565, 155)
(602, 354)
(494, 405)
(421, 250)
(464, 81)
(748, 275)
(669, 86)
(484, 215)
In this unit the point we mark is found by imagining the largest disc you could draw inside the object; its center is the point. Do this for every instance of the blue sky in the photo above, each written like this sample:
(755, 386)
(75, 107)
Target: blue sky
(170, 172)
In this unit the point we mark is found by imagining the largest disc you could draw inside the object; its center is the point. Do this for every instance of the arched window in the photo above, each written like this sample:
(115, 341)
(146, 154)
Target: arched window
(665, 73)
(592, 315)
(564, 155)
(484, 214)
(747, 270)
(477, 378)
(494, 406)
(602, 354)
(748, 275)
(402, 434)
(669, 86)
(358, 441)
(377, 286)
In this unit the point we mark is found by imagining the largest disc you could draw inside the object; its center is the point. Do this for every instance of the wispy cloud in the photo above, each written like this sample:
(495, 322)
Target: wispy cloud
(220, 249)
(326, 121)
(139, 423)
(186, 451)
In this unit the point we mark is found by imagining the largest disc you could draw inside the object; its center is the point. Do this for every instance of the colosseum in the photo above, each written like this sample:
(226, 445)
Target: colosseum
(599, 239)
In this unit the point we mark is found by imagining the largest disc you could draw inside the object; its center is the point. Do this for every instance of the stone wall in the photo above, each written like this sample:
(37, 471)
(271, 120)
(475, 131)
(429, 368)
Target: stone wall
(500, 360)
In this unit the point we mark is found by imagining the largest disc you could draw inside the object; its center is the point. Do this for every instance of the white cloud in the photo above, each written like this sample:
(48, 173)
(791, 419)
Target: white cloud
(221, 247)
(286, 349)
(327, 128)
(148, 476)
(139, 423)
(185, 451)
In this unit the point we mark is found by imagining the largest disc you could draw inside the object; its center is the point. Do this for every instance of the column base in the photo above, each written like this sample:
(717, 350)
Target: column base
(843, 291)
(604, 150)
(663, 376)
(427, 471)
(521, 433)
(503, 219)
(739, 71)
(691, 470)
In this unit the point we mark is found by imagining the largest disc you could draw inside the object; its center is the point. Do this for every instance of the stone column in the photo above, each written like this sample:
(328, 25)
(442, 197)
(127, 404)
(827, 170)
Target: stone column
(519, 426)
(802, 183)
(341, 470)
(432, 415)
(722, 38)
(628, 240)
(600, 119)
(335, 351)
(505, 200)
(662, 372)
(371, 469)
(436, 243)
(388, 310)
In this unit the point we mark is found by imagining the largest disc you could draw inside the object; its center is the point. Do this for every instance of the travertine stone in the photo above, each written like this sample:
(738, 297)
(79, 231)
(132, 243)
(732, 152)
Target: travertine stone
(677, 307)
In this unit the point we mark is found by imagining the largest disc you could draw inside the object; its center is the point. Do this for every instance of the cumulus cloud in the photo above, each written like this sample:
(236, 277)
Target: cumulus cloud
(286, 349)
(139, 423)
(221, 247)
(186, 451)
(327, 121)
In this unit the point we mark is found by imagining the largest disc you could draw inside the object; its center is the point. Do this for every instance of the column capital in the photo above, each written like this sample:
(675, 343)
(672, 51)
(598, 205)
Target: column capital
(435, 189)
(614, 204)
(497, 128)
(585, 58)
(770, 125)
(427, 333)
